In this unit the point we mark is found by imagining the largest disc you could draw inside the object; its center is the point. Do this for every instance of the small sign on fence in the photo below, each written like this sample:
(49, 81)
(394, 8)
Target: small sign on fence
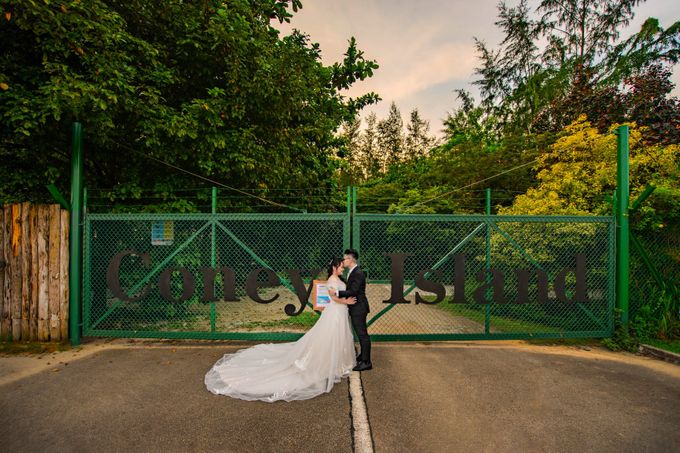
(161, 232)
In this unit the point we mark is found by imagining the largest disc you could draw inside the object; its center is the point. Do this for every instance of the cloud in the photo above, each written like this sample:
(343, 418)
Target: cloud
(399, 78)
(425, 49)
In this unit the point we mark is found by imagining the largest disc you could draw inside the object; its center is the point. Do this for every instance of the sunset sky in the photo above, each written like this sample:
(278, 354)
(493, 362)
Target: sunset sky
(424, 49)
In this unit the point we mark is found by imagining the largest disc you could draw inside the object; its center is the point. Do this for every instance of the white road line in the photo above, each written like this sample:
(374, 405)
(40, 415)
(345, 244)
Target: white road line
(360, 425)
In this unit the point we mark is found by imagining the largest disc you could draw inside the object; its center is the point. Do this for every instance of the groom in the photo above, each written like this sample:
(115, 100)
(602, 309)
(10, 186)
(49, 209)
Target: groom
(356, 287)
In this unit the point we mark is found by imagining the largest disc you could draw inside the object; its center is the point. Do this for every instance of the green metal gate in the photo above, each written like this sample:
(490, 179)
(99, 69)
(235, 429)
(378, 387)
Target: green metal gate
(187, 275)
(554, 276)
(138, 252)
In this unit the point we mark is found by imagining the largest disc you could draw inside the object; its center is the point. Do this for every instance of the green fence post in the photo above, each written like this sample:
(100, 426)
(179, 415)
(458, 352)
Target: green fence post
(213, 254)
(347, 224)
(622, 227)
(75, 257)
(354, 244)
(487, 314)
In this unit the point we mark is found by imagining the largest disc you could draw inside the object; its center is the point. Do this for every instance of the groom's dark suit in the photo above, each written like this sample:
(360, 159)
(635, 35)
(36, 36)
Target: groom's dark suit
(356, 287)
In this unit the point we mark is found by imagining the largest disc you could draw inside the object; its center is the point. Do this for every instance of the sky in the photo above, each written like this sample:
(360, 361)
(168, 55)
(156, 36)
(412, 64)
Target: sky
(425, 49)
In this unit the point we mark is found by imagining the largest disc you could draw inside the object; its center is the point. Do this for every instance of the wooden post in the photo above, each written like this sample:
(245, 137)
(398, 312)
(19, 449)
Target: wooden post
(5, 321)
(33, 310)
(3, 264)
(63, 276)
(53, 250)
(25, 270)
(43, 279)
(16, 272)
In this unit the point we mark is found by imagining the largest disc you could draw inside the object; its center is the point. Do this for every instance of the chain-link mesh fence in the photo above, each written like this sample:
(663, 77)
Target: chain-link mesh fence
(186, 275)
(654, 267)
(548, 277)
(150, 275)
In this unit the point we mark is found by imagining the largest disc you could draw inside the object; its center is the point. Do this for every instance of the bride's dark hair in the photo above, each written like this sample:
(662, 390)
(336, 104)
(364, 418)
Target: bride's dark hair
(332, 264)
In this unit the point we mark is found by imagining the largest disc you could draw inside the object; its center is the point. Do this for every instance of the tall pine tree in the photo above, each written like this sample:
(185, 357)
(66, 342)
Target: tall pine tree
(391, 138)
(418, 140)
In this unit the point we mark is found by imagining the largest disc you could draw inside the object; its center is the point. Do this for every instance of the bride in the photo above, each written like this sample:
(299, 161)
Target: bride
(299, 370)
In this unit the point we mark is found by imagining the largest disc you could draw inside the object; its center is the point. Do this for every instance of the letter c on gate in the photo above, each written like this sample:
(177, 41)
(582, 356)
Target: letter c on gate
(113, 275)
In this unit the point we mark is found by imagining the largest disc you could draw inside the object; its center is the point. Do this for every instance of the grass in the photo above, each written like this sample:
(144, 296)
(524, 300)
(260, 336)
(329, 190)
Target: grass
(31, 347)
(667, 345)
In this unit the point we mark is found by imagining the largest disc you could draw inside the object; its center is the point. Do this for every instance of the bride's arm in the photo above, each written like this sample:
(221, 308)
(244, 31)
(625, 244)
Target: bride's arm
(340, 300)
(344, 300)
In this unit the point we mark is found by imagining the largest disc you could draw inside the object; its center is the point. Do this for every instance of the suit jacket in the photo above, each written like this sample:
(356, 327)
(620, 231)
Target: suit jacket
(356, 287)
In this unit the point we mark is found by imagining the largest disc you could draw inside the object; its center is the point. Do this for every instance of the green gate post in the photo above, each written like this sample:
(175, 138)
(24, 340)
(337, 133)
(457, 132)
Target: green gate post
(213, 255)
(75, 261)
(353, 222)
(487, 315)
(622, 227)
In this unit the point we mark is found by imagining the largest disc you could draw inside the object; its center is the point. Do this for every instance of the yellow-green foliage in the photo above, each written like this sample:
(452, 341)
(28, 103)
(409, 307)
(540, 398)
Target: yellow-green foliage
(578, 172)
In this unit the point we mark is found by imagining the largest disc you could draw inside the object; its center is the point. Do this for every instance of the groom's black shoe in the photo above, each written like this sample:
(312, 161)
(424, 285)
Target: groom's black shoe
(363, 366)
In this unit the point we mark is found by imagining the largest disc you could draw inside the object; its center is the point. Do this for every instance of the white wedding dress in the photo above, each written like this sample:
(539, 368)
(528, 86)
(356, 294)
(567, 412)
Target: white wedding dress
(299, 370)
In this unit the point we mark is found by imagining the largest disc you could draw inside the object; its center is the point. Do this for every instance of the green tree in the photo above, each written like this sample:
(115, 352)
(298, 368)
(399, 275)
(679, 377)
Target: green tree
(418, 141)
(529, 88)
(369, 149)
(354, 168)
(470, 124)
(208, 86)
(511, 77)
(391, 138)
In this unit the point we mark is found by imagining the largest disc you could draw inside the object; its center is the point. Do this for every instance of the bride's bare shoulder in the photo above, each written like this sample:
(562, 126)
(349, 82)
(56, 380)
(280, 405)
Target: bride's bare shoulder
(335, 282)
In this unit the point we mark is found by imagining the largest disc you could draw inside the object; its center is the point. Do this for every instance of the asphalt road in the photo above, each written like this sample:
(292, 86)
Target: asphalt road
(419, 397)
(154, 400)
(479, 399)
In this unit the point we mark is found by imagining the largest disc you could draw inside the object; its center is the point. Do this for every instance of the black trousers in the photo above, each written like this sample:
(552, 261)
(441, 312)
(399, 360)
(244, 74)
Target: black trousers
(359, 324)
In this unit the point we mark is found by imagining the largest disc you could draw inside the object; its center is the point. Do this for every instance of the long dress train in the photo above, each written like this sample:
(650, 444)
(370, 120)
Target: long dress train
(299, 370)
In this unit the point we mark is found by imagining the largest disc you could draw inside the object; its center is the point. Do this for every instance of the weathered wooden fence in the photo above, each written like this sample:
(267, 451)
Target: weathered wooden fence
(34, 266)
